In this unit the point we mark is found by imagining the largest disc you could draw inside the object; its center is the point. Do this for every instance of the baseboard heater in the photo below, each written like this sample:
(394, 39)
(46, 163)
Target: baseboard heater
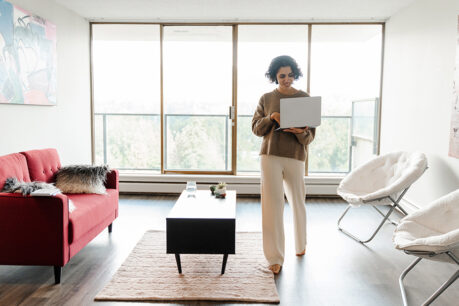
(244, 188)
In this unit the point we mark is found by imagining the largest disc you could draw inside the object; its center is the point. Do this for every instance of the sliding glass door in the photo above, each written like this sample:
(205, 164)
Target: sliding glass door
(198, 93)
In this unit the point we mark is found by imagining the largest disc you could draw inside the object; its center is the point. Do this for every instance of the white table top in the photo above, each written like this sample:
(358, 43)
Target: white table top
(204, 206)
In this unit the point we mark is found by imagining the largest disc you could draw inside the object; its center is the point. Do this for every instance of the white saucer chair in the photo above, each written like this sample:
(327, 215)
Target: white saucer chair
(381, 181)
(431, 233)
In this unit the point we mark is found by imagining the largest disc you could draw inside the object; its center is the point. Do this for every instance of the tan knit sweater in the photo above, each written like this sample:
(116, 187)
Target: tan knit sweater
(279, 143)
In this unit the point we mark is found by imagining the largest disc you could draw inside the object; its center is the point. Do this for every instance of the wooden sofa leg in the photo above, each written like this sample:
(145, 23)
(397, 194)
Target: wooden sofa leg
(57, 274)
(110, 227)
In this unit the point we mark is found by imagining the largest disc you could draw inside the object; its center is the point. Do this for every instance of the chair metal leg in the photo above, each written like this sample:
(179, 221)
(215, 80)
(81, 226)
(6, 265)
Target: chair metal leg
(385, 217)
(402, 276)
(451, 255)
(403, 211)
(382, 214)
(439, 291)
(375, 232)
(443, 287)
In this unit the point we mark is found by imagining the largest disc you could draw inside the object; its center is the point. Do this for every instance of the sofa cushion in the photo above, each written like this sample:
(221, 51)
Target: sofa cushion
(90, 210)
(13, 165)
(42, 164)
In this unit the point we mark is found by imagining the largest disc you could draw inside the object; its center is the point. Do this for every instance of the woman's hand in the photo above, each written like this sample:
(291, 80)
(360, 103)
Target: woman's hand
(275, 116)
(296, 131)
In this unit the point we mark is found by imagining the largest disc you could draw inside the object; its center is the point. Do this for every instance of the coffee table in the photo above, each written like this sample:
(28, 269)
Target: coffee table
(202, 224)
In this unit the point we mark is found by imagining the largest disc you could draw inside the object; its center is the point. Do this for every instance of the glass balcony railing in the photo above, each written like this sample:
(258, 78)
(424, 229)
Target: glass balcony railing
(195, 142)
(128, 141)
(203, 143)
(328, 153)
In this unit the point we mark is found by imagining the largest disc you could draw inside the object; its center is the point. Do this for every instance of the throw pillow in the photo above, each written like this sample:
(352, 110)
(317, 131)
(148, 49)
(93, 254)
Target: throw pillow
(82, 179)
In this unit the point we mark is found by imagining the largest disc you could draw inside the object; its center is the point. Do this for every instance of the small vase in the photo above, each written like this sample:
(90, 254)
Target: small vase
(220, 192)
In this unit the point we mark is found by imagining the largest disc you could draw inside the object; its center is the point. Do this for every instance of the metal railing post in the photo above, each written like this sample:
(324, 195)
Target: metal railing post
(105, 137)
(226, 143)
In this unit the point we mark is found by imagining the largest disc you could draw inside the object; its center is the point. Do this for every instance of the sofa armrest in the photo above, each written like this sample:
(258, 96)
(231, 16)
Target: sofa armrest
(34, 230)
(112, 181)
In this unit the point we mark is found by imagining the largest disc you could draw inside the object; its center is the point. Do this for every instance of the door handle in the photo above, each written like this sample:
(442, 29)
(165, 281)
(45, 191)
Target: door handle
(231, 113)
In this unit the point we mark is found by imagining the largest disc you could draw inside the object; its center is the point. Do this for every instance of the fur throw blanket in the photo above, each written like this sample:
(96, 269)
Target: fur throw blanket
(13, 185)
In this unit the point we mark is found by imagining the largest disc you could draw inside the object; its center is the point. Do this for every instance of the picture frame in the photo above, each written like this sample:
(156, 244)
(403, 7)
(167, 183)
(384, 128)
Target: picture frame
(28, 64)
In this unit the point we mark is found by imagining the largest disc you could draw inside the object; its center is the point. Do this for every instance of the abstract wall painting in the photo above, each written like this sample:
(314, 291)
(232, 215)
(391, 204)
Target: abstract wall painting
(454, 132)
(27, 58)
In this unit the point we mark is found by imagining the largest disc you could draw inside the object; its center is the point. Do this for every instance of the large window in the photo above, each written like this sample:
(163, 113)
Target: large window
(257, 46)
(126, 72)
(163, 94)
(345, 67)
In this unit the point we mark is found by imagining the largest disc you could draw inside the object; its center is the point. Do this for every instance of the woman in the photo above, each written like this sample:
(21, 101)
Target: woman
(283, 155)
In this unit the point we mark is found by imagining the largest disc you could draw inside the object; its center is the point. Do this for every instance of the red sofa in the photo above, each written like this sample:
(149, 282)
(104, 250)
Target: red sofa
(40, 230)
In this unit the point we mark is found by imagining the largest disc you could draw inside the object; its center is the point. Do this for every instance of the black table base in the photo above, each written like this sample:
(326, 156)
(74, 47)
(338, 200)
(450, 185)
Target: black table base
(179, 263)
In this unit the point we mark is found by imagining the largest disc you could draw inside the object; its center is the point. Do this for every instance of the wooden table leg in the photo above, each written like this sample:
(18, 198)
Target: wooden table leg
(179, 265)
(225, 258)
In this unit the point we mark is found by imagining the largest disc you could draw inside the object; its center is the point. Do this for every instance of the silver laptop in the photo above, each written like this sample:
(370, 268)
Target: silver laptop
(300, 112)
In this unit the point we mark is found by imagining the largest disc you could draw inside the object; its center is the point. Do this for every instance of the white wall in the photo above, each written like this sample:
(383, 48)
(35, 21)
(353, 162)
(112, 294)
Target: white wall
(65, 126)
(419, 65)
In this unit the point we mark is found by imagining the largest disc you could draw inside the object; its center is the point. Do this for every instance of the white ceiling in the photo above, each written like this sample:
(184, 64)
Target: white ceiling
(235, 10)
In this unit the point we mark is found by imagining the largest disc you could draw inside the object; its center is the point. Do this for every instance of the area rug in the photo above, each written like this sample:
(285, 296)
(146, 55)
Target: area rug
(149, 274)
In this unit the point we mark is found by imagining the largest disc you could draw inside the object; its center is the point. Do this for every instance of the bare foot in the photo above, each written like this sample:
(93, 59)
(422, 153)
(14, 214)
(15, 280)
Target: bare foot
(302, 253)
(275, 268)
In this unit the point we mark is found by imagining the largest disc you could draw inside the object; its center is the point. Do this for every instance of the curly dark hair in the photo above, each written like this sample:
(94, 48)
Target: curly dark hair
(282, 61)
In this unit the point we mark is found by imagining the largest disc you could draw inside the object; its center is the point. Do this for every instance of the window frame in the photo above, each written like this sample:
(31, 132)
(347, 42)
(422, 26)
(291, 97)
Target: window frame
(234, 26)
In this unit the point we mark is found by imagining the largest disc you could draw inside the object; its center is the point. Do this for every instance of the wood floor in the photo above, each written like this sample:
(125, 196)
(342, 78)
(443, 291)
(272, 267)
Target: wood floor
(335, 270)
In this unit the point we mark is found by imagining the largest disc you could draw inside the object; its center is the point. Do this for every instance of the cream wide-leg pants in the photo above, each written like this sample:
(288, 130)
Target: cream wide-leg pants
(279, 174)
